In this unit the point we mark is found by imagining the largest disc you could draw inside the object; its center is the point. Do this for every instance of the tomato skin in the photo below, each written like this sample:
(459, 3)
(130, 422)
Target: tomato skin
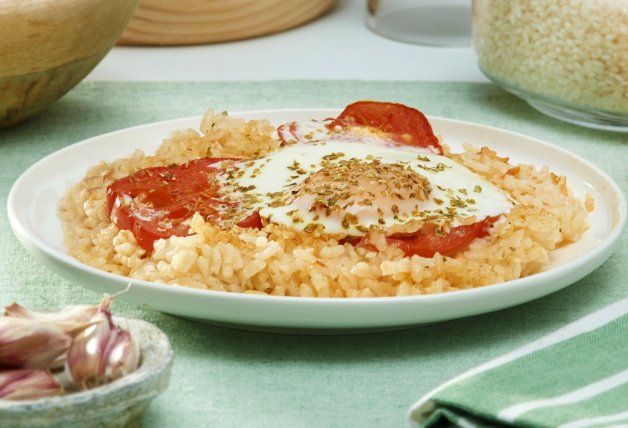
(146, 233)
(427, 241)
(159, 185)
(403, 124)
(154, 202)
(253, 221)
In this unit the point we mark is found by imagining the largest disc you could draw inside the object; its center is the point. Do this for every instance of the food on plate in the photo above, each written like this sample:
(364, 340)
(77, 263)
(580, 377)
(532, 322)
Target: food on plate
(369, 203)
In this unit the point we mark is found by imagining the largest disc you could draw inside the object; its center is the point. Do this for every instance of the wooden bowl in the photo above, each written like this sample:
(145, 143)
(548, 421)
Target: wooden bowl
(185, 22)
(48, 46)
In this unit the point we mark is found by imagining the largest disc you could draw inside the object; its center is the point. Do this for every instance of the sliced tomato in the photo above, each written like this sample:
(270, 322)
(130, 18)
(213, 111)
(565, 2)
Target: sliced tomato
(429, 240)
(403, 124)
(153, 202)
(254, 221)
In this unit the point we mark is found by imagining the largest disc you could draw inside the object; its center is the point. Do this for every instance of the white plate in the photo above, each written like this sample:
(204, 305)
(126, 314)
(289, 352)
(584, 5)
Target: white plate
(33, 200)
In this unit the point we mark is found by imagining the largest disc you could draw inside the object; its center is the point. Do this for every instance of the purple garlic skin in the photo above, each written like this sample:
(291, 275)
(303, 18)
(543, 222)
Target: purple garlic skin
(102, 352)
(31, 344)
(72, 315)
(28, 384)
(40, 339)
(124, 356)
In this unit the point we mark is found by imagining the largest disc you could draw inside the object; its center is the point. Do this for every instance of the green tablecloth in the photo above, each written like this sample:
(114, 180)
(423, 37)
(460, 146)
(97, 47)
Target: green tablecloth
(226, 377)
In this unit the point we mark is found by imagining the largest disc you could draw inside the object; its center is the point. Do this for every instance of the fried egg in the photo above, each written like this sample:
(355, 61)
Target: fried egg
(345, 188)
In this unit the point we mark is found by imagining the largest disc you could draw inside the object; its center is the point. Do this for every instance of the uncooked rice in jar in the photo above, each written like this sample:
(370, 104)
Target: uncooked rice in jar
(279, 261)
(572, 50)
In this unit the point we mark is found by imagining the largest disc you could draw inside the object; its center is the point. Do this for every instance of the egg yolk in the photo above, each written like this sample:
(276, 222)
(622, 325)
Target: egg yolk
(355, 190)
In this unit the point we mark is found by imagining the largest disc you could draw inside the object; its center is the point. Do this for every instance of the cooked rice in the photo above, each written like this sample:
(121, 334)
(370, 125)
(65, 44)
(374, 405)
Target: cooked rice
(282, 262)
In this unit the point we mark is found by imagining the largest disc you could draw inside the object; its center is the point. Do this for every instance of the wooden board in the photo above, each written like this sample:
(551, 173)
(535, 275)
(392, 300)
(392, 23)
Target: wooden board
(184, 22)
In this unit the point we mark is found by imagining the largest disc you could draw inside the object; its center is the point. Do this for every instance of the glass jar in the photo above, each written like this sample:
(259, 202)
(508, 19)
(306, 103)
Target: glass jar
(566, 58)
(443, 23)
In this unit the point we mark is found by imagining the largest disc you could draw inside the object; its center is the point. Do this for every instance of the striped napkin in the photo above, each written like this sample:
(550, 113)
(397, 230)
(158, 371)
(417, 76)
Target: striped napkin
(575, 377)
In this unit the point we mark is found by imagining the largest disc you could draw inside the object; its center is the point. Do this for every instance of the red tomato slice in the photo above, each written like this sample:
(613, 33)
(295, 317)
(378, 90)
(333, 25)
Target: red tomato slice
(153, 202)
(401, 123)
(428, 241)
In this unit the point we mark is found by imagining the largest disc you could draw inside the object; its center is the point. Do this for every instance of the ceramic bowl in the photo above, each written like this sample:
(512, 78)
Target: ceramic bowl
(121, 403)
(47, 47)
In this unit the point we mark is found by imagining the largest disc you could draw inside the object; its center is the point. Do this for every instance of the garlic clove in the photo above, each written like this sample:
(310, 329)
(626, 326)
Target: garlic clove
(84, 363)
(70, 314)
(31, 344)
(124, 356)
(28, 384)
(102, 352)
(26, 343)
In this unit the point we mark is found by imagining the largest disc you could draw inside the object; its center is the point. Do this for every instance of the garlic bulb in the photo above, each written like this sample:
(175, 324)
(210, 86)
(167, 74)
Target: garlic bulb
(102, 352)
(28, 384)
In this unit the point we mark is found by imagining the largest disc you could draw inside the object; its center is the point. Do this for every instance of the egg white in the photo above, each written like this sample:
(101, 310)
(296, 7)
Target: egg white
(268, 184)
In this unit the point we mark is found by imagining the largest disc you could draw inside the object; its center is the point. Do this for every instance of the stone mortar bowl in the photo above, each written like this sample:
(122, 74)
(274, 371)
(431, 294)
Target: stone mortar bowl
(121, 403)
(48, 46)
